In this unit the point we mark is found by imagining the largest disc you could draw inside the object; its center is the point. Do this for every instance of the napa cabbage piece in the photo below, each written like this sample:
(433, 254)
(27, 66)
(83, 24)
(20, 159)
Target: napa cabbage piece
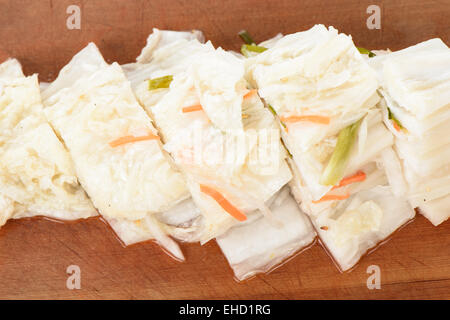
(181, 222)
(36, 173)
(91, 105)
(416, 128)
(366, 219)
(271, 42)
(419, 98)
(213, 79)
(349, 228)
(160, 38)
(372, 138)
(436, 210)
(424, 89)
(258, 246)
(218, 79)
(169, 52)
(7, 209)
(324, 95)
(382, 169)
(318, 72)
(218, 75)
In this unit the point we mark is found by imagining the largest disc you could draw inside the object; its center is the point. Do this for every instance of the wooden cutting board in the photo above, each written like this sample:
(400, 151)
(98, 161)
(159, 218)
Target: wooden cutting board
(35, 253)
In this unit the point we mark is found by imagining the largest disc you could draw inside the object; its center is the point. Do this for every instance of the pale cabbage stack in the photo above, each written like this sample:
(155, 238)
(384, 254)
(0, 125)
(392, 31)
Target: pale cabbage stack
(36, 172)
(259, 246)
(347, 176)
(416, 86)
(116, 150)
(199, 100)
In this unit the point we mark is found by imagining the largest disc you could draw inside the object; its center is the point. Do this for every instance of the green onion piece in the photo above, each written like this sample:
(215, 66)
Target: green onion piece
(272, 109)
(334, 171)
(366, 51)
(275, 114)
(159, 83)
(245, 36)
(282, 142)
(393, 118)
(247, 49)
(285, 148)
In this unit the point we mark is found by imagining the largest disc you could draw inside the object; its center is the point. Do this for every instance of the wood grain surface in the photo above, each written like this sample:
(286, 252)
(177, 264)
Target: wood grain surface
(34, 253)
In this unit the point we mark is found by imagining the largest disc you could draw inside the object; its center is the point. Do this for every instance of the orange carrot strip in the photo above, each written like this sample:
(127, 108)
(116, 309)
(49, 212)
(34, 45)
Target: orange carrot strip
(195, 107)
(312, 118)
(224, 203)
(129, 139)
(396, 126)
(250, 93)
(329, 197)
(357, 177)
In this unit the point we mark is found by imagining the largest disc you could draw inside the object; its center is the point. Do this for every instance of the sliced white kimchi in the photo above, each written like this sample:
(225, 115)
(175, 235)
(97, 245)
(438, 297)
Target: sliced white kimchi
(36, 172)
(116, 150)
(224, 141)
(347, 176)
(417, 112)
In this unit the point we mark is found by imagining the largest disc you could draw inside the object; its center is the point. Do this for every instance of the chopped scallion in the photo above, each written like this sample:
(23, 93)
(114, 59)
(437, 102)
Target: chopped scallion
(272, 109)
(366, 51)
(393, 118)
(159, 83)
(248, 49)
(335, 168)
(245, 36)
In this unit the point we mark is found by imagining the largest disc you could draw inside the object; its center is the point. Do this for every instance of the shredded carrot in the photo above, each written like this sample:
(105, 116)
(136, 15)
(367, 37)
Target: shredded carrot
(357, 177)
(195, 107)
(250, 93)
(311, 118)
(330, 197)
(224, 203)
(129, 139)
(396, 126)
